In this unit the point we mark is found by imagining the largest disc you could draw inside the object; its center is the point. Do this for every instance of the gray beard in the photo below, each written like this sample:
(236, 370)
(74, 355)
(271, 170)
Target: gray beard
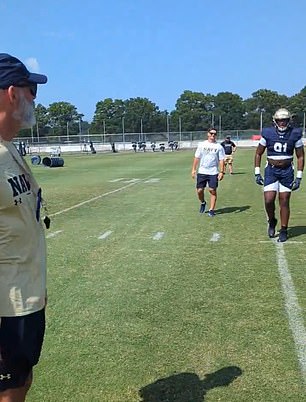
(25, 114)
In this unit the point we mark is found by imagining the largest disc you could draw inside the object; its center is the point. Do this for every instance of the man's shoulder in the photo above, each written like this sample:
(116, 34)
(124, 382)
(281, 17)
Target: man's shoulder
(297, 132)
(268, 131)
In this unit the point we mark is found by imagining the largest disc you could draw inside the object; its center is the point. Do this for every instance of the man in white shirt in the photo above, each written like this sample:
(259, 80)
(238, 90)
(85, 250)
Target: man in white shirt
(22, 239)
(208, 166)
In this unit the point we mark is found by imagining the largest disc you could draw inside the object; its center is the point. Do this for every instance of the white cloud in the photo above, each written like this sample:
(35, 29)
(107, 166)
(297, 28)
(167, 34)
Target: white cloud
(32, 64)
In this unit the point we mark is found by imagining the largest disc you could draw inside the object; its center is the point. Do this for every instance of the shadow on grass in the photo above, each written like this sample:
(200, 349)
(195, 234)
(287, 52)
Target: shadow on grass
(296, 231)
(187, 387)
(234, 173)
(230, 210)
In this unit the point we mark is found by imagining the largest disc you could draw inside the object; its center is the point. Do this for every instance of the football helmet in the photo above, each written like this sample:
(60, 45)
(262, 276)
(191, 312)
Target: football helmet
(282, 119)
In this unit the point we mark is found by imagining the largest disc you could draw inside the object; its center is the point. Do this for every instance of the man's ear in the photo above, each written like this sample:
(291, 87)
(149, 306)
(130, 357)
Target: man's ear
(12, 93)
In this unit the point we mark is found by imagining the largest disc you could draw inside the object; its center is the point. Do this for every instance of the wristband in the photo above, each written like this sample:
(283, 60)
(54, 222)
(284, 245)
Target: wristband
(299, 174)
(257, 170)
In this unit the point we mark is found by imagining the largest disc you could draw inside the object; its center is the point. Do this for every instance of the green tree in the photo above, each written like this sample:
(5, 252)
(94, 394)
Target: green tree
(265, 102)
(195, 110)
(63, 117)
(108, 116)
(297, 106)
(229, 111)
(141, 115)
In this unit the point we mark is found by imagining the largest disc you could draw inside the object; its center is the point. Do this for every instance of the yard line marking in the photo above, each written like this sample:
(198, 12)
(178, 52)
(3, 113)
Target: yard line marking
(132, 180)
(105, 234)
(215, 237)
(115, 180)
(153, 180)
(99, 196)
(53, 234)
(158, 235)
(293, 309)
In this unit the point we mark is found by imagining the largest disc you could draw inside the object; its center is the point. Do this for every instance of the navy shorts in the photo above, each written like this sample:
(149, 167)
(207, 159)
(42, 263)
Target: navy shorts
(21, 341)
(210, 180)
(284, 176)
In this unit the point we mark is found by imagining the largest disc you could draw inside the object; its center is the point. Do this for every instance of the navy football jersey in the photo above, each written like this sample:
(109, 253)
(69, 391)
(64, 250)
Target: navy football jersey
(281, 145)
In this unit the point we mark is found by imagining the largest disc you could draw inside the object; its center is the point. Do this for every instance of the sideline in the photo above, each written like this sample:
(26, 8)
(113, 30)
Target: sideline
(293, 309)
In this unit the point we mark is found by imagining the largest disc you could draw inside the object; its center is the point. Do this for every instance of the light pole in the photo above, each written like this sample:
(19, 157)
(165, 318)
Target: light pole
(141, 130)
(168, 128)
(220, 124)
(32, 135)
(212, 120)
(67, 131)
(180, 128)
(123, 133)
(37, 132)
(261, 120)
(104, 131)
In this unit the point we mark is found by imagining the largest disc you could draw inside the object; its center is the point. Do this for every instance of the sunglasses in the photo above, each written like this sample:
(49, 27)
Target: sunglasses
(212, 133)
(32, 87)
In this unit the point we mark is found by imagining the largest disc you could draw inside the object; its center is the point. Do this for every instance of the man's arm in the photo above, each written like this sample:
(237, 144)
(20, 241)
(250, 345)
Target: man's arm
(299, 152)
(221, 169)
(194, 167)
(257, 161)
(259, 152)
(300, 156)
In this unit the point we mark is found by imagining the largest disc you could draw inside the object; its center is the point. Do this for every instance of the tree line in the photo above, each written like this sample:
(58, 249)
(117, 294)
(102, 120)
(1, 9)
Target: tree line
(193, 111)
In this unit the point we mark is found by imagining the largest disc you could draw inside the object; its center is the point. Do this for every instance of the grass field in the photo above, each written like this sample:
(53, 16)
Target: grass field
(151, 301)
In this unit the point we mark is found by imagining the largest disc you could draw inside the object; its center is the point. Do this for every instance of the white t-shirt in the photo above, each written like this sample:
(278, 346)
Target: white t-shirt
(22, 239)
(209, 153)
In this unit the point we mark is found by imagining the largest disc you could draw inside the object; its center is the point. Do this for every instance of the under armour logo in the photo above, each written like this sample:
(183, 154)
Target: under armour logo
(19, 201)
(5, 377)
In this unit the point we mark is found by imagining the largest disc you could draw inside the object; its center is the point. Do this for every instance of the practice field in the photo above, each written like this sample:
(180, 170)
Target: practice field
(151, 301)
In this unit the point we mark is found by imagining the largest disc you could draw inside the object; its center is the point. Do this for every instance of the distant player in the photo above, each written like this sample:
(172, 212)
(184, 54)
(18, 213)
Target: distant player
(229, 148)
(209, 159)
(281, 142)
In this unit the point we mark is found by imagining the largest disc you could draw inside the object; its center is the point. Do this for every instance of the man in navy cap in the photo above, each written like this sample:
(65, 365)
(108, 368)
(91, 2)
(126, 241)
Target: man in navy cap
(229, 149)
(22, 240)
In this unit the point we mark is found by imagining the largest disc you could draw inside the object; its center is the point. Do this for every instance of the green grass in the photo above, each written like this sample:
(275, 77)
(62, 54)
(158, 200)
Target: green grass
(179, 316)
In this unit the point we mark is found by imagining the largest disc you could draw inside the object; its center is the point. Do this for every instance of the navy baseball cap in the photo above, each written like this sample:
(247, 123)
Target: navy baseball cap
(14, 72)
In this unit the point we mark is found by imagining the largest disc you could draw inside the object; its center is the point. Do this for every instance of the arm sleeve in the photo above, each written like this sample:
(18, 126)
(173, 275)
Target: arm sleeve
(198, 153)
(221, 153)
(263, 141)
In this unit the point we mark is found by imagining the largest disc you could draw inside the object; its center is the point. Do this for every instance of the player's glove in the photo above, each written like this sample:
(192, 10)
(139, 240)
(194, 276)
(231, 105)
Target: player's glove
(259, 179)
(296, 184)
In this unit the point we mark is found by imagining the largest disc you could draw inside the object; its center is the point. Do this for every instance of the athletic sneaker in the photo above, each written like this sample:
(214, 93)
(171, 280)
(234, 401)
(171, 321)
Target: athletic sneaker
(211, 213)
(202, 207)
(283, 235)
(271, 227)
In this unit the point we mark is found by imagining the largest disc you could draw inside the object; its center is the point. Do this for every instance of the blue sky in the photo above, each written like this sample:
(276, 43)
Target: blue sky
(95, 49)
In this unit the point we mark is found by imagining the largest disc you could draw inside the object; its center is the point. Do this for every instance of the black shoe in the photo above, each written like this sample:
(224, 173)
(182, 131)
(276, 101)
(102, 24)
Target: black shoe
(202, 207)
(271, 227)
(283, 235)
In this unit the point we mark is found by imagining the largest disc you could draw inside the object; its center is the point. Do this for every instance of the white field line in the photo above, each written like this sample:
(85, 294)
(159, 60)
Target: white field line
(158, 235)
(115, 180)
(215, 237)
(105, 235)
(53, 234)
(293, 309)
(100, 196)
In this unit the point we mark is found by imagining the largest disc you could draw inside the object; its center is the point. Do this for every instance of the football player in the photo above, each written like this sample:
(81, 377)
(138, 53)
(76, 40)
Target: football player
(281, 141)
